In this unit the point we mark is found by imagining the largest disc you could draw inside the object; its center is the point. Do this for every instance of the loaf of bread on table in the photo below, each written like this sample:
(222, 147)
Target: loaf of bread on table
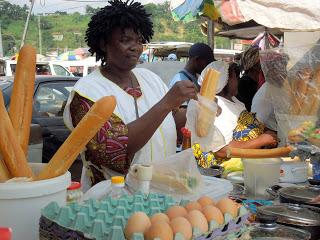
(12, 153)
(208, 91)
(260, 153)
(20, 110)
(86, 129)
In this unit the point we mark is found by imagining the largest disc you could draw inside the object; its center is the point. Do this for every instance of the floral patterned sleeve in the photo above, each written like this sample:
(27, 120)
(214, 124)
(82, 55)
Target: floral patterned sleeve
(109, 146)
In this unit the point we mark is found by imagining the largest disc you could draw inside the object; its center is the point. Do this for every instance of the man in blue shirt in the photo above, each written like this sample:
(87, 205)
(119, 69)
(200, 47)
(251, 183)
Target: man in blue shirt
(200, 55)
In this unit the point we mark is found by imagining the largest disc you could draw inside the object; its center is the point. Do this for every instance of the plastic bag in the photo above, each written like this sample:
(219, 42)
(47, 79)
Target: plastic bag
(214, 140)
(178, 174)
(293, 77)
(220, 66)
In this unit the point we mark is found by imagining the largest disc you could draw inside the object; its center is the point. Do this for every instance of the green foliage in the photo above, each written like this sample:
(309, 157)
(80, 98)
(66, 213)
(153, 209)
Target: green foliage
(73, 27)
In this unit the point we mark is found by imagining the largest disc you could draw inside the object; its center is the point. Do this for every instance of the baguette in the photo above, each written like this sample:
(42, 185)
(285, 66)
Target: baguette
(79, 137)
(208, 91)
(315, 94)
(180, 185)
(20, 110)
(12, 153)
(259, 153)
(4, 173)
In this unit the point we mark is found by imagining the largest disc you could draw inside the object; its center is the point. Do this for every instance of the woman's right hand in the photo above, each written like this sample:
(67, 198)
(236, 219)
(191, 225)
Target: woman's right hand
(180, 92)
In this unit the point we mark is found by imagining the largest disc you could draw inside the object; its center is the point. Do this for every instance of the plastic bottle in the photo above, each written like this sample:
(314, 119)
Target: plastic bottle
(117, 187)
(186, 140)
(74, 193)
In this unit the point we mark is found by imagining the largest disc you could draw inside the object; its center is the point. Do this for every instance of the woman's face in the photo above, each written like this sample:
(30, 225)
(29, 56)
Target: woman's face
(124, 48)
(233, 84)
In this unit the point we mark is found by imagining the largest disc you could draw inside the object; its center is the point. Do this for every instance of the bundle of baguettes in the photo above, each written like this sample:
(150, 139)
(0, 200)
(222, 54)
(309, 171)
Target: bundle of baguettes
(12, 153)
(86, 129)
(15, 130)
(208, 91)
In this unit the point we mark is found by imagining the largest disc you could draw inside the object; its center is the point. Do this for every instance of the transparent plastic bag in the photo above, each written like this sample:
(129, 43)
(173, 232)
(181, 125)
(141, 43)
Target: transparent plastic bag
(214, 139)
(177, 175)
(293, 77)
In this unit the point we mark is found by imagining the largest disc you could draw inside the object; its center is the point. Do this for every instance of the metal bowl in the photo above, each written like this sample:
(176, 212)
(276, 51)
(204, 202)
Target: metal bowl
(213, 171)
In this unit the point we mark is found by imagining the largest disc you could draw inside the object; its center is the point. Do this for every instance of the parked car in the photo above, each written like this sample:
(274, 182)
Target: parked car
(81, 68)
(49, 99)
(8, 68)
(50, 96)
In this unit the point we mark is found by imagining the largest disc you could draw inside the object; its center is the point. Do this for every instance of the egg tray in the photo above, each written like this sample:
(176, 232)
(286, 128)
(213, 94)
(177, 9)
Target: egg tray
(231, 230)
(107, 218)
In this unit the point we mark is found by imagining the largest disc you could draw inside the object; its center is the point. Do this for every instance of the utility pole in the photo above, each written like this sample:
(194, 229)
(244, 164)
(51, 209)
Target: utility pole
(1, 46)
(40, 39)
(210, 33)
(26, 24)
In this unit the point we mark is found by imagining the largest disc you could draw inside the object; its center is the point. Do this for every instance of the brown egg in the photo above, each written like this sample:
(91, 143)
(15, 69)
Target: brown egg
(139, 222)
(160, 230)
(183, 226)
(176, 211)
(197, 219)
(193, 206)
(226, 205)
(159, 217)
(213, 213)
(204, 201)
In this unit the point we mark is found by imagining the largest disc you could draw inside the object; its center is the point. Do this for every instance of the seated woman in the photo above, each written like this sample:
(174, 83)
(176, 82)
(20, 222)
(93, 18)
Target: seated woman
(240, 128)
(142, 128)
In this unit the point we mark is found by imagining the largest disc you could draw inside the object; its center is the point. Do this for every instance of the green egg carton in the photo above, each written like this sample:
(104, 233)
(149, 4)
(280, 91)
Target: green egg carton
(104, 219)
(107, 218)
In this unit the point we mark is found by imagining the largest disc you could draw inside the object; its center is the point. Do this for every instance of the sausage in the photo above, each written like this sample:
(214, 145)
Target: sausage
(208, 90)
(79, 137)
(12, 153)
(20, 110)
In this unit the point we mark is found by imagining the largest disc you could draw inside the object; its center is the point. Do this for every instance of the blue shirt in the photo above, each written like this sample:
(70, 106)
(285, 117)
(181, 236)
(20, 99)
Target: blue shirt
(183, 75)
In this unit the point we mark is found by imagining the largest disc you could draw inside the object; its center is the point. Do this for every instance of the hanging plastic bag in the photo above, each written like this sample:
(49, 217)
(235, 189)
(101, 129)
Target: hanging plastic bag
(293, 81)
(214, 139)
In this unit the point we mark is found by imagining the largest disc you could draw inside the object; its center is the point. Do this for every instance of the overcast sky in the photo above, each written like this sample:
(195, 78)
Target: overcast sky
(47, 6)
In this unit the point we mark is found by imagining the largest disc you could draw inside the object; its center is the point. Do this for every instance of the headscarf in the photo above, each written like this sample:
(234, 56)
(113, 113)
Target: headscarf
(250, 57)
(221, 67)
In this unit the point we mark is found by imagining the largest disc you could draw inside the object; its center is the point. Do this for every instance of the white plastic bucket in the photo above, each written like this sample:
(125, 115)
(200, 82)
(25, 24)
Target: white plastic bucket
(21, 203)
(260, 174)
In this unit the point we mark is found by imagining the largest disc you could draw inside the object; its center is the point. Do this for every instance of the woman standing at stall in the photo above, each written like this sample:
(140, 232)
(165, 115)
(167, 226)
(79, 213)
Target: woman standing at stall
(142, 128)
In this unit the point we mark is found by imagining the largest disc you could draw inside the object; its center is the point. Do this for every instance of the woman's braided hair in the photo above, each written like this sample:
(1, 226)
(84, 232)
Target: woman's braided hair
(118, 14)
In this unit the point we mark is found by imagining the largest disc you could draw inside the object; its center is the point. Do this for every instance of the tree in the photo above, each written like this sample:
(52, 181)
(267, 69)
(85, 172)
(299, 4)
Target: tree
(91, 11)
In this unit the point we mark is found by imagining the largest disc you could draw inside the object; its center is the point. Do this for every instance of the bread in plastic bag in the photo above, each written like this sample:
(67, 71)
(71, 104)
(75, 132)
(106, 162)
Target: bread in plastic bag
(220, 66)
(214, 139)
(178, 174)
(293, 77)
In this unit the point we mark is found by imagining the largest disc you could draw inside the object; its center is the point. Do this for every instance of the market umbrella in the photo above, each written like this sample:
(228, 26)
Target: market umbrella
(189, 10)
(266, 40)
(69, 56)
